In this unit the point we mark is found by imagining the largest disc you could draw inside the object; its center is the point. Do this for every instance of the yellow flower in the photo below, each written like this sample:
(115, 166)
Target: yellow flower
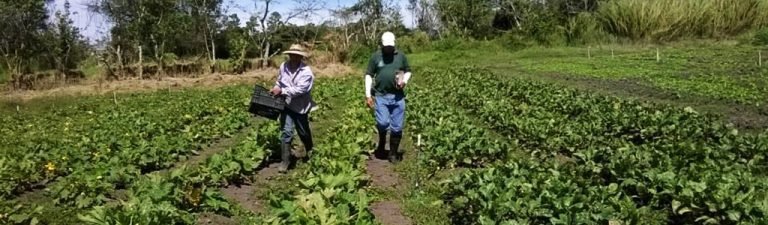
(50, 167)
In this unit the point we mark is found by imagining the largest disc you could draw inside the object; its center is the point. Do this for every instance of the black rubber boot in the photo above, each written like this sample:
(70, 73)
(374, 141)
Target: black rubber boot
(394, 148)
(381, 151)
(285, 157)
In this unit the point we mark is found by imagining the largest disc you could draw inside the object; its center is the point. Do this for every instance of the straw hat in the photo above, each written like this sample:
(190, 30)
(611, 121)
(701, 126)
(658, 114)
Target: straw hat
(297, 49)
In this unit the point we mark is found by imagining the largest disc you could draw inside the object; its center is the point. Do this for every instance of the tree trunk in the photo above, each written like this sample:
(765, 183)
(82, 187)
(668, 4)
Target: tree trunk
(213, 53)
(120, 66)
(265, 56)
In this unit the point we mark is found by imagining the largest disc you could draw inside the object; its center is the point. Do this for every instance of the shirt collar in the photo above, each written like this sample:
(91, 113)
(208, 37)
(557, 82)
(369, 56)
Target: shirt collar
(302, 66)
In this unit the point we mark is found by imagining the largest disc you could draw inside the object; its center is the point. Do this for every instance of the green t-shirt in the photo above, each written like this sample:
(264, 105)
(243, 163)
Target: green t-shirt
(384, 70)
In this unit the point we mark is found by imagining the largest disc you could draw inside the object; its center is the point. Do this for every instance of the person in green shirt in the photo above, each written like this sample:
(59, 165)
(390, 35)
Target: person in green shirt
(385, 80)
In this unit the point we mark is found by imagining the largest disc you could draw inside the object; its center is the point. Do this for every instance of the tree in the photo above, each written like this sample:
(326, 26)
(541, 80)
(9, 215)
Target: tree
(207, 18)
(22, 24)
(374, 16)
(69, 47)
(425, 14)
(162, 27)
(467, 18)
(262, 29)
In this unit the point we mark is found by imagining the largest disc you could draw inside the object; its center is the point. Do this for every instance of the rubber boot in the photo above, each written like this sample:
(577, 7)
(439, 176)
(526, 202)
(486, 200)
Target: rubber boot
(307, 154)
(285, 156)
(394, 147)
(381, 151)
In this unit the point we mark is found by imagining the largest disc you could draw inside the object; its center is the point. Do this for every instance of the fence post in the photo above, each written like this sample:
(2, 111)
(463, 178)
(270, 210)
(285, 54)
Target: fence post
(658, 55)
(141, 62)
(114, 97)
(612, 55)
(589, 52)
(18, 111)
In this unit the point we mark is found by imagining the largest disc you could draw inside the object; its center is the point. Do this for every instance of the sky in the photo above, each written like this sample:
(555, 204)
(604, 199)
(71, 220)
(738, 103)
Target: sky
(95, 26)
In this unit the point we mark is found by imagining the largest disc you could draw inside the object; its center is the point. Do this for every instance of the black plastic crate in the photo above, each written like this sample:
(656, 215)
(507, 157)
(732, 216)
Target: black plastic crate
(266, 105)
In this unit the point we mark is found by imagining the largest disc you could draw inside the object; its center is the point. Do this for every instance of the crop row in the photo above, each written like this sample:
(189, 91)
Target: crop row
(331, 190)
(727, 73)
(451, 136)
(141, 133)
(690, 165)
(172, 197)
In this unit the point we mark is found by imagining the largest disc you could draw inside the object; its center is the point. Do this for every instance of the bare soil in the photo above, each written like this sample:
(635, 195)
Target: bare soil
(384, 177)
(245, 194)
(214, 219)
(389, 213)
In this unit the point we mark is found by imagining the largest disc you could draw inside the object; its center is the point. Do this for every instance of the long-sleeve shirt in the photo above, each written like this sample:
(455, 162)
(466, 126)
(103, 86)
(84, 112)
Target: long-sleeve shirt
(297, 88)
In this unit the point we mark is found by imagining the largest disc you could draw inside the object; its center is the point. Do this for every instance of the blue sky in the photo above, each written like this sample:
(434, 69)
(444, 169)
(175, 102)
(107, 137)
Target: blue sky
(95, 26)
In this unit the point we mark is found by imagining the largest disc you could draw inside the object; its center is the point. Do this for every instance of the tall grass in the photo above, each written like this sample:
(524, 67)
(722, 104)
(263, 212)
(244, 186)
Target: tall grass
(666, 20)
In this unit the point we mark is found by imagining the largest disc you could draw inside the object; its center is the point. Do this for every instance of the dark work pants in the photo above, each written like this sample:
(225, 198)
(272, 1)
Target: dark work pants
(290, 120)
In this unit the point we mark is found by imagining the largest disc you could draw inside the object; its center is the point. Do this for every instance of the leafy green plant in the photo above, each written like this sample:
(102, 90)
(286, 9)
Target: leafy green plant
(761, 37)
(12, 212)
(625, 159)
(331, 192)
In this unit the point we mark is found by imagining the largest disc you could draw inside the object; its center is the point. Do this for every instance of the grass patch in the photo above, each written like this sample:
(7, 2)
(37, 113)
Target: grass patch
(721, 70)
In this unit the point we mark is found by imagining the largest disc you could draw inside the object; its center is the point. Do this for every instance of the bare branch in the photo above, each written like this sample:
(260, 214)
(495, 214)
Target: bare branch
(304, 8)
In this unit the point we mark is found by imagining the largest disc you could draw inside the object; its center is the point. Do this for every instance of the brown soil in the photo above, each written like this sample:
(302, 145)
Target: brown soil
(214, 219)
(91, 87)
(384, 177)
(245, 194)
(389, 213)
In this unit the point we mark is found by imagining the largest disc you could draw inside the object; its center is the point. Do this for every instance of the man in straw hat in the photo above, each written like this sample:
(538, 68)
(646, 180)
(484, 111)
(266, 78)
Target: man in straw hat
(385, 79)
(295, 82)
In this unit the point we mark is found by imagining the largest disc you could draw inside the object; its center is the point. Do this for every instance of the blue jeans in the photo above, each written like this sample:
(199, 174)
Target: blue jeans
(289, 120)
(390, 113)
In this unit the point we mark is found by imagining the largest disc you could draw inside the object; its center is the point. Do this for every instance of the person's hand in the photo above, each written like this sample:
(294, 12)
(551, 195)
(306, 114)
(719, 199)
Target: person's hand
(401, 84)
(369, 102)
(276, 91)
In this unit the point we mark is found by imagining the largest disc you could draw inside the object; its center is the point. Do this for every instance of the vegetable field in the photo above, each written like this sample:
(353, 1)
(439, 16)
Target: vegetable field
(482, 150)
(545, 154)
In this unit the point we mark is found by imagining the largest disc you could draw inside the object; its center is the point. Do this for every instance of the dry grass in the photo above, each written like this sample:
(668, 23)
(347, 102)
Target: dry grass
(99, 86)
(665, 20)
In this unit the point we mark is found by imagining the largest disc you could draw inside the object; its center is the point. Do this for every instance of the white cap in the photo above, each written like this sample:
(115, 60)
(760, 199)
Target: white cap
(388, 39)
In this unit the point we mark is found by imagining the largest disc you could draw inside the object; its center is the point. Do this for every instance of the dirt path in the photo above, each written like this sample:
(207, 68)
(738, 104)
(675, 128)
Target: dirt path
(387, 211)
(246, 194)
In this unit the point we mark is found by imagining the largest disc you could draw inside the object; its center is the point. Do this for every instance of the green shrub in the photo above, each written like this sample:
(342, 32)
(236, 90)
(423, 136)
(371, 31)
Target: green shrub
(761, 37)
(360, 54)
(515, 41)
(416, 42)
(585, 29)
(448, 43)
